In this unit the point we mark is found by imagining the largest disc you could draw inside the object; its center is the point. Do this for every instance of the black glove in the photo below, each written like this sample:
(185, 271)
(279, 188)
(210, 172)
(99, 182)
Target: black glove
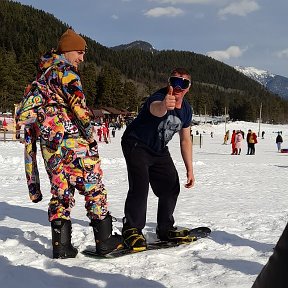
(38, 199)
(18, 135)
(93, 149)
(93, 144)
(35, 192)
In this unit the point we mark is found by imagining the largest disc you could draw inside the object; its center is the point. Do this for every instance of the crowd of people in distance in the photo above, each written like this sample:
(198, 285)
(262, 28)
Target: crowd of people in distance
(102, 129)
(103, 133)
(237, 138)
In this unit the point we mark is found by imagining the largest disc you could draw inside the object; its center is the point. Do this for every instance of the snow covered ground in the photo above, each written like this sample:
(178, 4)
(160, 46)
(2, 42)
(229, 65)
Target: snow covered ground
(242, 198)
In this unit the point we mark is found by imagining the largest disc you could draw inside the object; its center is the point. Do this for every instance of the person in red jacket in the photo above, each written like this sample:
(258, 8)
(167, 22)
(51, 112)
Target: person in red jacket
(233, 142)
(99, 134)
(251, 141)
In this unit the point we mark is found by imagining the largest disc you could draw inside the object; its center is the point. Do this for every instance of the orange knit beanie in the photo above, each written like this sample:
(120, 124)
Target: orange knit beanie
(71, 41)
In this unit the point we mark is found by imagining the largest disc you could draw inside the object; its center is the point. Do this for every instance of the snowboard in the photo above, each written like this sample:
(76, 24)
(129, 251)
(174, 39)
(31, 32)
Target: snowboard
(194, 235)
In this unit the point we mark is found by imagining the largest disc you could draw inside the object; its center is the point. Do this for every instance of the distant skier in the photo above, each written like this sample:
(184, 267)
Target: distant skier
(279, 141)
(263, 134)
(226, 137)
(113, 132)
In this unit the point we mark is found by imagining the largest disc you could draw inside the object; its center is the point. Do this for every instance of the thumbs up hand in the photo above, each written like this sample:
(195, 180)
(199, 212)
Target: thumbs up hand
(170, 100)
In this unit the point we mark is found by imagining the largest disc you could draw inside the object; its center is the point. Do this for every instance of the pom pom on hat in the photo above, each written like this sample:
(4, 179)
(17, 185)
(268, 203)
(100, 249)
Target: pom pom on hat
(71, 41)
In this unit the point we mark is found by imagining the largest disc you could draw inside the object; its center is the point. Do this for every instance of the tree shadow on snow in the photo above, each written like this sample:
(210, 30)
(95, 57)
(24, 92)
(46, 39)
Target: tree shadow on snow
(223, 237)
(29, 214)
(243, 266)
(71, 277)
(27, 236)
(29, 239)
(112, 280)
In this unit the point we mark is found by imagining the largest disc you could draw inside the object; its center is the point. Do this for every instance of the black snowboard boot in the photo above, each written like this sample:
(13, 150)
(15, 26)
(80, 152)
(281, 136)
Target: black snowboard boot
(134, 239)
(61, 239)
(274, 274)
(105, 241)
(174, 235)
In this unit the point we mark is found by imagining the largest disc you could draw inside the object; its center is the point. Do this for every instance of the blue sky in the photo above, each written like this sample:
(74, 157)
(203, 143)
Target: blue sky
(236, 32)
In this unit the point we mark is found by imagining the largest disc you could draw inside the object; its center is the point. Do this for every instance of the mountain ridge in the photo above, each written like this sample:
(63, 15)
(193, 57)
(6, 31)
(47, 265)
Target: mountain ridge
(122, 78)
(275, 83)
(138, 44)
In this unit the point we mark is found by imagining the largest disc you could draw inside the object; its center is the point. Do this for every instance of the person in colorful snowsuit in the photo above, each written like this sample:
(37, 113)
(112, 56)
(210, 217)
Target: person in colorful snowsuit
(69, 150)
(144, 145)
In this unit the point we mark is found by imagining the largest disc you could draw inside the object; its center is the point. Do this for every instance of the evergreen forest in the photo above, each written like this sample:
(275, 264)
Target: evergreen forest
(124, 78)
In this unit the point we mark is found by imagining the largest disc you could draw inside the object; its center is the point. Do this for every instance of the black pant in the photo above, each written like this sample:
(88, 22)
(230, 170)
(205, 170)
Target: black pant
(274, 274)
(251, 149)
(144, 166)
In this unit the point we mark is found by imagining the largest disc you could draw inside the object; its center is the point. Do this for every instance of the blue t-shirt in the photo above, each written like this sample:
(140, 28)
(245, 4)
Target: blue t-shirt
(156, 132)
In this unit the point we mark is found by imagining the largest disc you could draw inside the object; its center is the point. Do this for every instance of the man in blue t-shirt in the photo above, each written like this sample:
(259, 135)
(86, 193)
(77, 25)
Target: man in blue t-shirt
(144, 145)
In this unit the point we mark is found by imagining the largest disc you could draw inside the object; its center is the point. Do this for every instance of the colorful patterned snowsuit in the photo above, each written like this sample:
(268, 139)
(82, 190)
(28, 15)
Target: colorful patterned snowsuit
(63, 125)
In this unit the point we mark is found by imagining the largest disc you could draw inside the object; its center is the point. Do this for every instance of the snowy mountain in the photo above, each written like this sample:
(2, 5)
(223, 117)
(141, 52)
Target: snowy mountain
(142, 45)
(274, 83)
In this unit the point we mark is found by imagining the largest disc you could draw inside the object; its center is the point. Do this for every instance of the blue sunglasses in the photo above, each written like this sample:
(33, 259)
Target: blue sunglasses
(179, 82)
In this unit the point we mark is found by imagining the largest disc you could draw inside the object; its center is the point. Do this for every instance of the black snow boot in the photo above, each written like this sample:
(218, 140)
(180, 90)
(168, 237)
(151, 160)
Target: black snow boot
(61, 239)
(134, 239)
(105, 241)
(274, 274)
(174, 235)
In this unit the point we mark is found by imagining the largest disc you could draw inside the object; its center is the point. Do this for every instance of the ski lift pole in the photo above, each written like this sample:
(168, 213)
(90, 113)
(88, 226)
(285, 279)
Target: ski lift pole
(260, 116)
(225, 119)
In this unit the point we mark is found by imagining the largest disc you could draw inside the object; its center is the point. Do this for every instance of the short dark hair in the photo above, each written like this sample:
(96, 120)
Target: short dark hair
(181, 71)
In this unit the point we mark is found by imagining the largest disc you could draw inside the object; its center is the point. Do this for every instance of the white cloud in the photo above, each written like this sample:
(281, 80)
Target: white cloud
(282, 54)
(231, 52)
(115, 17)
(239, 8)
(161, 11)
(173, 2)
